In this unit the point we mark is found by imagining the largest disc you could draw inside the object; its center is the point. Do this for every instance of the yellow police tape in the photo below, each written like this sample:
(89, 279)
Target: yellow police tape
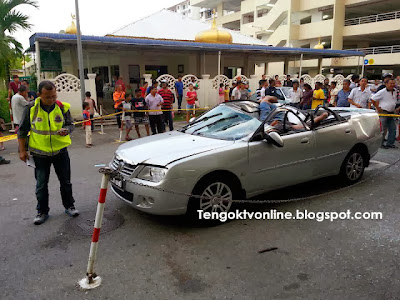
(154, 110)
(14, 136)
(8, 138)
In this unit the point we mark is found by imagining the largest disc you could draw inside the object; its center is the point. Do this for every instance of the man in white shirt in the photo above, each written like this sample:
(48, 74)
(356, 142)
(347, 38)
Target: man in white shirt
(18, 103)
(236, 91)
(263, 88)
(295, 94)
(334, 91)
(385, 103)
(360, 96)
(154, 101)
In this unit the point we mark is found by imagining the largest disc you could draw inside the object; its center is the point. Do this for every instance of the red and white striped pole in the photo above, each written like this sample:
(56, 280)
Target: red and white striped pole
(92, 280)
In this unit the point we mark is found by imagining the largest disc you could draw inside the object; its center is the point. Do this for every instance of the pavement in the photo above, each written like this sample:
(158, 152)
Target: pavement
(142, 256)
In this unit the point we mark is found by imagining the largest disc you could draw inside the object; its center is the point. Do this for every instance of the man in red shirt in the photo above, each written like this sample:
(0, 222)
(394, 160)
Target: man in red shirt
(168, 98)
(13, 87)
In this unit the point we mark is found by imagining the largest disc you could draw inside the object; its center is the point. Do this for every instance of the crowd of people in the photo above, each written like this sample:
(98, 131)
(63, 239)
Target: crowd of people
(156, 101)
(355, 93)
(20, 95)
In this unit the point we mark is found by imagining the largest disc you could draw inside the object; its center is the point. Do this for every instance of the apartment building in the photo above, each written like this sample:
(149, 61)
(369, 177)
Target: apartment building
(372, 26)
(193, 12)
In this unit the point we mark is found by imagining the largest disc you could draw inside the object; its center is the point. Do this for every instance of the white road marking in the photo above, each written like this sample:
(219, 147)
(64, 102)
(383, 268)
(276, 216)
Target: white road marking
(383, 164)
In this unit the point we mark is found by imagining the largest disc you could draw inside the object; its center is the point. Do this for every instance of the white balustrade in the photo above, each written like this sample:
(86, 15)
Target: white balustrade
(68, 87)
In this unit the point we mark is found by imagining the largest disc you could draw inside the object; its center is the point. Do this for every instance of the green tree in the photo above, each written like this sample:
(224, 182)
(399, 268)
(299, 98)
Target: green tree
(11, 20)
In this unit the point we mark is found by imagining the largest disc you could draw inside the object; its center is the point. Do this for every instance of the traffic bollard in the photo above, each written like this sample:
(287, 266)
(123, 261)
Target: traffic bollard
(92, 280)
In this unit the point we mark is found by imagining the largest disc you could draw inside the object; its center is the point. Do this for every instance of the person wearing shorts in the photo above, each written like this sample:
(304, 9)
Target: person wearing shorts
(139, 103)
(191, 98)
(127, 106)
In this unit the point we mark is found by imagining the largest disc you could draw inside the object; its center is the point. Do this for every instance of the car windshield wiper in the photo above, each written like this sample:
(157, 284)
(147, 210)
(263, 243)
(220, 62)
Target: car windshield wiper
(220, 120)
(201, 120)
(230, 125)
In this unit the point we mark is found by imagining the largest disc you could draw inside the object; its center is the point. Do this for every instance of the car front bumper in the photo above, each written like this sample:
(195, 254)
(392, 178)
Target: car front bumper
(157, 199)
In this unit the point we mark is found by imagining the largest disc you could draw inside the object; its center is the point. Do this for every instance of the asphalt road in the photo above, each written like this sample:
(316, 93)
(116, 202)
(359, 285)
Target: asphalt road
(150, 257)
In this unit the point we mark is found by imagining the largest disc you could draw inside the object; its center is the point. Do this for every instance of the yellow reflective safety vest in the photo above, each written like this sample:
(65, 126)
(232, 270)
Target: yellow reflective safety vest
(44, 138)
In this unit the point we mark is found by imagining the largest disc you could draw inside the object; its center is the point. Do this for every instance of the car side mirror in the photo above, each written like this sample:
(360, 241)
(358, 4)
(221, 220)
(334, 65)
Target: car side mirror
(273, 137)
(192, 120)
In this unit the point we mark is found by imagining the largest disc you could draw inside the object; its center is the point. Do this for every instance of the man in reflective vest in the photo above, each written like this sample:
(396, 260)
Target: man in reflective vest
(49, 124)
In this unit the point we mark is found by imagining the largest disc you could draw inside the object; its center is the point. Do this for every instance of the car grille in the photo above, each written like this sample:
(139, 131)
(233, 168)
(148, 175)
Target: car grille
(124, 194)
(123, 167)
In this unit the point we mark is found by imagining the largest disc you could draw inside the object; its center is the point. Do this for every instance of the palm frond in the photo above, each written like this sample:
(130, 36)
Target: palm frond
(14, 21)
(11, 4)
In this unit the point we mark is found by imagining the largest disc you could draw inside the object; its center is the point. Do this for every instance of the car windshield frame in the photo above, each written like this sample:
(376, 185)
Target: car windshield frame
(283, 110)
(227, 121)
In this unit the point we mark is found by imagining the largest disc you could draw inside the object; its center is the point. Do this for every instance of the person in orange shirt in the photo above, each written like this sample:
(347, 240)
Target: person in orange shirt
(118, 96)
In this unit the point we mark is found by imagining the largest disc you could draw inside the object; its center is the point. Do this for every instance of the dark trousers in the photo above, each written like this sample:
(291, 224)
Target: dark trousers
(389, 126)
(156, 124)
(180, 101)
(168, 120)
(91, 117)
(61, 163)
(118, 117)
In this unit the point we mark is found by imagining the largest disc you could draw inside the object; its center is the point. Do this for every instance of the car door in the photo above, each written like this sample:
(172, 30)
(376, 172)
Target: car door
(333, 142)
(271, 167)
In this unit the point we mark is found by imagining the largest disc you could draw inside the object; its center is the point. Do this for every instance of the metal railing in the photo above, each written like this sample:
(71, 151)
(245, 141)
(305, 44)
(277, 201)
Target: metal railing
(379, 50)
(373, 18)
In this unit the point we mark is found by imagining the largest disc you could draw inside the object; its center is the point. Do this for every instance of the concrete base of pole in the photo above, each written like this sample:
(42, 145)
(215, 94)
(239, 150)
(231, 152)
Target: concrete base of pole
(88, 283)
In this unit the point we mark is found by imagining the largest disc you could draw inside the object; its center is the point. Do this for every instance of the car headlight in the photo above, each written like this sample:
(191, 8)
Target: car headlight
(153, 174)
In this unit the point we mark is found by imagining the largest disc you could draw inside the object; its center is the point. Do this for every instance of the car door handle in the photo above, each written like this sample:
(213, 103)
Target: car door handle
(348, 130)
(304, 140)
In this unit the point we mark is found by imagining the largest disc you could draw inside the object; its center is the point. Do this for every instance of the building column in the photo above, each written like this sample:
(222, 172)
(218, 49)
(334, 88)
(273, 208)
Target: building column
(286, 66)
(245, 70)
(91, 85)
(220, 10)
(147, 78)
(339, 8)
(319, 65)
(38, 62)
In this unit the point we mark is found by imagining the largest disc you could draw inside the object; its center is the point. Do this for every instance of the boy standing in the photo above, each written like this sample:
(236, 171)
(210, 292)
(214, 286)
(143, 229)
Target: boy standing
(126, 106)
(168, 98)
(318, 95)
(139, 103)
(92, 107)
(118, 97)
(87, 124)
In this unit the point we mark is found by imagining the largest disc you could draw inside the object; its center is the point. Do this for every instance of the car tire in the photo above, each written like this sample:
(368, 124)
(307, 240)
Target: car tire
(353, 167)
(224, 190)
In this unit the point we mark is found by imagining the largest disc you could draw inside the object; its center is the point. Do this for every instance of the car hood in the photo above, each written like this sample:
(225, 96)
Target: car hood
(163, 149)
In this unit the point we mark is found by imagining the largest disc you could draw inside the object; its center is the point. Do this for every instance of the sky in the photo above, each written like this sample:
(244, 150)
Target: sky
(98, 17)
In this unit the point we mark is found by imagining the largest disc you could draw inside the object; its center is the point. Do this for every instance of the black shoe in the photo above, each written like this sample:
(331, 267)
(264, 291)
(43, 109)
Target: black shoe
(391, 147)
(4, 162)
(40, 218)
(72, 211)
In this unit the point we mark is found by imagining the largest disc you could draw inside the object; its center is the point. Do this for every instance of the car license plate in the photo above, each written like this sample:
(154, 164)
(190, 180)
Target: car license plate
(118, 182)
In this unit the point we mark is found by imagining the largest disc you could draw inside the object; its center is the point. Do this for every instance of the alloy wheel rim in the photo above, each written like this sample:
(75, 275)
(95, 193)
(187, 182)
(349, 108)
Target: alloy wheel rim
(354, 167)
(217, 197)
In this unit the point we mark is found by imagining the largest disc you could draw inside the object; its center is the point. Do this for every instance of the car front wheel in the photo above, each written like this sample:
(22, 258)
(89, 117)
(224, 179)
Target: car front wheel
(353, 167)
(216, 195)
